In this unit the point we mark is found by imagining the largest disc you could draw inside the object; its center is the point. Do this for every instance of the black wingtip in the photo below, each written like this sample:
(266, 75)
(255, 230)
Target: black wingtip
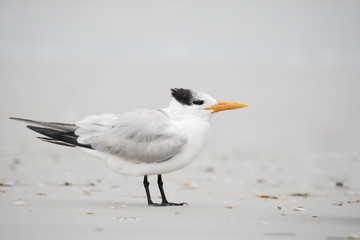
(54, 141)
(58, 137)
(34, 128)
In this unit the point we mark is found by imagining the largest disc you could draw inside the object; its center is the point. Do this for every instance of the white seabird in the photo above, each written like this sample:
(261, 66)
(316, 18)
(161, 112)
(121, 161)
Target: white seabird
(143, 142)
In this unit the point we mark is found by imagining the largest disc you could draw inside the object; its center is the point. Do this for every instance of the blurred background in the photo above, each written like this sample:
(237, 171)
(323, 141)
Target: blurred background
(297, 63)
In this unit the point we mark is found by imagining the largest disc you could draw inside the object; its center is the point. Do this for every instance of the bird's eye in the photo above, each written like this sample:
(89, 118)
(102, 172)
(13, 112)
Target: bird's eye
(198, 102)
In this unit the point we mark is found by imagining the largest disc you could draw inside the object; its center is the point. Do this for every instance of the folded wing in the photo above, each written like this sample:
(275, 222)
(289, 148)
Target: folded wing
(139, 136)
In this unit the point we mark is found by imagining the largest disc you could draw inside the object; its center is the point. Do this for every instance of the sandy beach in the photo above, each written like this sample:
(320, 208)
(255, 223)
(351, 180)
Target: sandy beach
(66, 194)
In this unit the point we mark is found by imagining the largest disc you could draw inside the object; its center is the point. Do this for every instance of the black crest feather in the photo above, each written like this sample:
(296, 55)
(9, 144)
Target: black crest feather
(183, 96)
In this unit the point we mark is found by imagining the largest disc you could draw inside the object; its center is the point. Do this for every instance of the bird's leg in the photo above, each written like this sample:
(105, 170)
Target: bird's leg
(164, 201)
(150, 202)
(160, 184)
(146, 185)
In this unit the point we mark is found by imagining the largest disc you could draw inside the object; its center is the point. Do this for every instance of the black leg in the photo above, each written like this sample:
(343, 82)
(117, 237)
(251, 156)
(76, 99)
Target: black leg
(160, 184)
(146, 185)
(164, 201)
(147, 190)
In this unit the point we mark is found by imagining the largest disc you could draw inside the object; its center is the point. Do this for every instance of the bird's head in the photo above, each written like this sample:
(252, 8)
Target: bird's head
(197, 103)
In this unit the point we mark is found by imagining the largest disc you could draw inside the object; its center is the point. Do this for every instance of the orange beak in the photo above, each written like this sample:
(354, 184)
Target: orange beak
(224, 105)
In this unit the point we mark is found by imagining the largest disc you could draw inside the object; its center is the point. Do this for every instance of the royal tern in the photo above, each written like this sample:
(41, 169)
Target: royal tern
(142, 142)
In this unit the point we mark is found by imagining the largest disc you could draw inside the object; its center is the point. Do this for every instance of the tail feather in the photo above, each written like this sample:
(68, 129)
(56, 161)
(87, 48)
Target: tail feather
(61, 137)
(53, 125)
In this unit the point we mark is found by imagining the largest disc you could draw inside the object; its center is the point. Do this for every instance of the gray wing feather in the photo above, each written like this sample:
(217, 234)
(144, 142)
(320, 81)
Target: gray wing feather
(140, 136)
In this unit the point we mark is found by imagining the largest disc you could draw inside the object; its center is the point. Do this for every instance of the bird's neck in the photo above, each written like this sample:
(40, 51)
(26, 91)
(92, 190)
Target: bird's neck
(177, 111)
(181, 115)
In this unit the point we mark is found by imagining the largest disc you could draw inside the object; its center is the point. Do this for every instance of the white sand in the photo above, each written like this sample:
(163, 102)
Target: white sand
(67, 195)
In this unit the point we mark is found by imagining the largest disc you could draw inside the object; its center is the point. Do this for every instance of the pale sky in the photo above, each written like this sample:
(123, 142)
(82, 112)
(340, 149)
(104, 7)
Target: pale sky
(249, 32)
